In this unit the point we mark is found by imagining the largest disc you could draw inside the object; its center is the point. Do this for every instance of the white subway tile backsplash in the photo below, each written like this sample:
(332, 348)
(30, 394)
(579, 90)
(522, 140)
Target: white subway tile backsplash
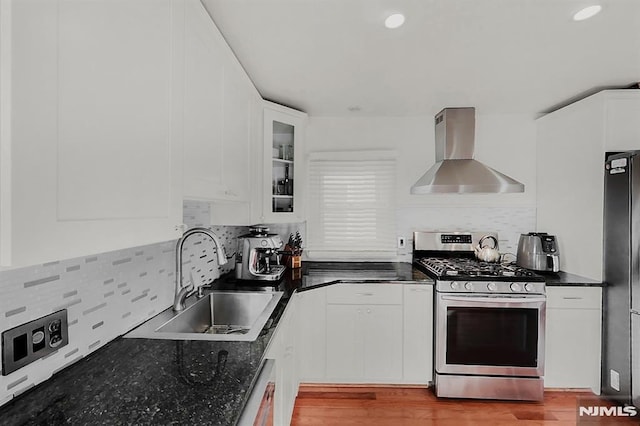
(15, 311)
(198, 214)
(86, 288)
(508, 222)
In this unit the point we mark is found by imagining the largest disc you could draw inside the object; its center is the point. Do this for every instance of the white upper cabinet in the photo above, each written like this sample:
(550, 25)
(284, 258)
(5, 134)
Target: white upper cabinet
(203, 105)
(95, 142)
(572, 143)
(5, 132)
(283, 166)
(219, 110)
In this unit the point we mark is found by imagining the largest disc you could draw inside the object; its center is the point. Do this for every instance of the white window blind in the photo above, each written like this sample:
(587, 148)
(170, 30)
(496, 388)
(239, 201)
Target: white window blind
(351, 205)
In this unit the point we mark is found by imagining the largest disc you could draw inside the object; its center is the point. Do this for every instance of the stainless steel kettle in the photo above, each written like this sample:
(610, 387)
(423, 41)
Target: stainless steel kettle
(487, 249)
(538, 251)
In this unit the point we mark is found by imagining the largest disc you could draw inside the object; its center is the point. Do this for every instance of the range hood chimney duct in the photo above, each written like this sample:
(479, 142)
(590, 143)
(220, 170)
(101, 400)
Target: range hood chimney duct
(455, 170)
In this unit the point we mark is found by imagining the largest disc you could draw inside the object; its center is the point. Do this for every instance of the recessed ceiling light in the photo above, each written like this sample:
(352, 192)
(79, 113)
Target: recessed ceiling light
(587, 12)
(394, 21)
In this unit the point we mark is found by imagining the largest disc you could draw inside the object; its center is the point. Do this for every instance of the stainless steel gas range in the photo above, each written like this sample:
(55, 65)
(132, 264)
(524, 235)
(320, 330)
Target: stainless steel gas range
(489, 320)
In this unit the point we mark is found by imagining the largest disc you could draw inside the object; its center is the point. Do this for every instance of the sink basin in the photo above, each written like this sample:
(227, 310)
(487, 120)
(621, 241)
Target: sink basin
(219, 315)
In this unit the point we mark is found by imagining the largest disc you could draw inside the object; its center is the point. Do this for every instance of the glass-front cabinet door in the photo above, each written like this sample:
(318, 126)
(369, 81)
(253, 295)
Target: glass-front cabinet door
(282, 167)
(283, 177)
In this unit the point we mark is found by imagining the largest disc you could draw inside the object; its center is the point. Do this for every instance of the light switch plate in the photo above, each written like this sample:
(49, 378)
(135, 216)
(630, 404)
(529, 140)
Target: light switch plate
(33, 340)
(614, 379)
(402, 242)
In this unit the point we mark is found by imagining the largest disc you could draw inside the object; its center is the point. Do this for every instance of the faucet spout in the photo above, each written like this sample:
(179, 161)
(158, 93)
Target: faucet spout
(182, 292)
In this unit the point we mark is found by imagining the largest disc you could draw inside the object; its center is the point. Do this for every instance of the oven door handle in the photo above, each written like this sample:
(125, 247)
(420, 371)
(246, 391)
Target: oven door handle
(490, 299)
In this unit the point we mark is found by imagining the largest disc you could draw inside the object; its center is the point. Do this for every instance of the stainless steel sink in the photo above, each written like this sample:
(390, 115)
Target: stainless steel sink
(219, 315)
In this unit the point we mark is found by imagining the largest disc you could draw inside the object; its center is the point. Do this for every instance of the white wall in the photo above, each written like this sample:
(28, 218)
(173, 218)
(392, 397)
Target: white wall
(506, 142)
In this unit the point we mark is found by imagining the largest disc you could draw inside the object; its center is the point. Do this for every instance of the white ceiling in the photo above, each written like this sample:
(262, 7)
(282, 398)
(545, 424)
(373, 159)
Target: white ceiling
(523, 56)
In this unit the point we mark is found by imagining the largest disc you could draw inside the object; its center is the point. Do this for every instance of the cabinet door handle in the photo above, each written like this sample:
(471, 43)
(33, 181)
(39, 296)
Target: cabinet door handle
(368, 311)
(364, 294)
(572, 298)
(419, 289)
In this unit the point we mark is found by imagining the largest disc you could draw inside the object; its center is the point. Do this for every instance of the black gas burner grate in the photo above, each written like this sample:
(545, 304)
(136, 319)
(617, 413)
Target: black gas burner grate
(464, 268)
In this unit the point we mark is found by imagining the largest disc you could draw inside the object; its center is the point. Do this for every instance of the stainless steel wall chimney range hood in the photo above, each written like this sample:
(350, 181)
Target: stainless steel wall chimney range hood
(455, 170)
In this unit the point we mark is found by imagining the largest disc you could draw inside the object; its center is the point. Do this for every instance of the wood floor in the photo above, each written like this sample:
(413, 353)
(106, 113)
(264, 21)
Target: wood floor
(374, 406)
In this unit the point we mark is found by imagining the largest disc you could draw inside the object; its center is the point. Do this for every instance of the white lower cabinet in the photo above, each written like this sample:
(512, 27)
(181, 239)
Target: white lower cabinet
(364, 333)
(418, 334)
(364, 343)
(352, 333)
(382, 342)
(312, 335)
(283, 349)
(573, 338)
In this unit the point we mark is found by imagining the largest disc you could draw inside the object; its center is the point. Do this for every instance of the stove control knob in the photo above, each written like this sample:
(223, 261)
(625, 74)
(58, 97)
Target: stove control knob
(529, 287)
(454, 285)
(492, 287)
(515, 287)
(468, 286)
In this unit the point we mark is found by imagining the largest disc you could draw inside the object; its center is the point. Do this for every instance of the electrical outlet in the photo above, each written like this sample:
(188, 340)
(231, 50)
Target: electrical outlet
(33, 340)
(614, 379)
(402, 242)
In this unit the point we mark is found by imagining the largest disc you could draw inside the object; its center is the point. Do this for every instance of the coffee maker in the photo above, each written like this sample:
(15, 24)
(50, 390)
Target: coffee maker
(259, 258)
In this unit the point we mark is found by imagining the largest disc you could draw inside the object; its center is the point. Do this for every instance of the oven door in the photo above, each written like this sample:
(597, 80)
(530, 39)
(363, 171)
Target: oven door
(499, 335)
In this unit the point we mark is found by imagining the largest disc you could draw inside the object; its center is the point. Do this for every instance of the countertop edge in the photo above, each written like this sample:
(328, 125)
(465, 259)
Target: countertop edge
(568, 279)
(355, 281)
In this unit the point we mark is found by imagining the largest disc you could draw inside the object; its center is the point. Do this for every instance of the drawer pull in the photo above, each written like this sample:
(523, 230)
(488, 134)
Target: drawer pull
(572, 298)
(365, 294)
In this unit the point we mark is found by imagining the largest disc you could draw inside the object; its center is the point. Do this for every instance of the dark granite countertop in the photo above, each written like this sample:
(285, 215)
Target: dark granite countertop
(316, 274)
(146, 382)
(567, 279)
(159, 382)
(319, 274)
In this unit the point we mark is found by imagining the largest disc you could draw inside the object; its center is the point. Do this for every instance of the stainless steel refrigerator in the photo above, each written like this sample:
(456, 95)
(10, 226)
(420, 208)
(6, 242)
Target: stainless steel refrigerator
(621, 314)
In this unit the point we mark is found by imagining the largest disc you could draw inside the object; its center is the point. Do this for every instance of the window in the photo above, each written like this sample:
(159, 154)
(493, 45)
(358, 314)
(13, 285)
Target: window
(351, 205)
